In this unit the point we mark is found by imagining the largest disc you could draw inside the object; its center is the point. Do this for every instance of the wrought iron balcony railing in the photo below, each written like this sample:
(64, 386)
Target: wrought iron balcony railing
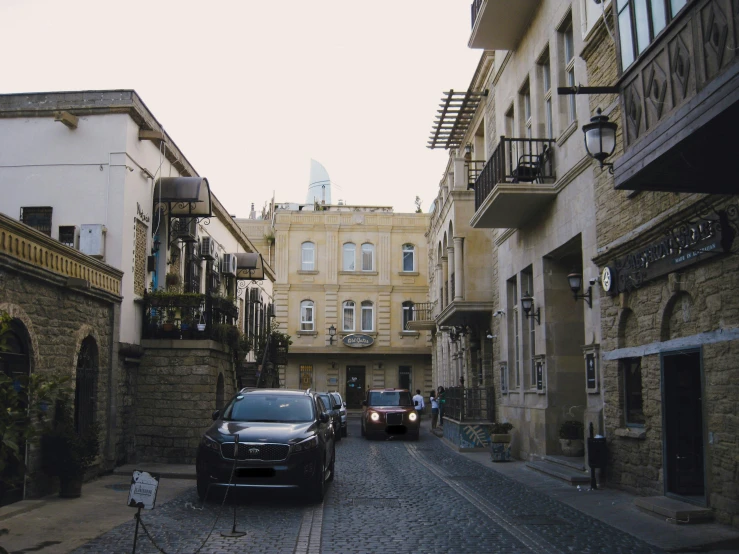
(421, 317)
(516, 160)
(477, 403)
(189, 316)
(474, 168)
(475, 8)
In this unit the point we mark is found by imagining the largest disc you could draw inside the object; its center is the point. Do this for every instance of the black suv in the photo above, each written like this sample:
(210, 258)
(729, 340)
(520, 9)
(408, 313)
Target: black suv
(268, 438)
(333, 407)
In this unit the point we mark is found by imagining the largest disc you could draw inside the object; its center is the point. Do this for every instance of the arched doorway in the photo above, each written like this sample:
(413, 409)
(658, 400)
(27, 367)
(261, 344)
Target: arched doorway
(85, 391)
(15, 368)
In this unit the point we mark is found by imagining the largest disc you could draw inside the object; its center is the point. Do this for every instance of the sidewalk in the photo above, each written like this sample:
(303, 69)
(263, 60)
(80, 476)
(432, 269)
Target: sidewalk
(616, 508)
(54, 525)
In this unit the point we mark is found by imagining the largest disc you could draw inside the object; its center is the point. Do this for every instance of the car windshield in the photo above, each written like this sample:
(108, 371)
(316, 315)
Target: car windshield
(327, 401)
(269, 408)
(337, 398)
(389, 398)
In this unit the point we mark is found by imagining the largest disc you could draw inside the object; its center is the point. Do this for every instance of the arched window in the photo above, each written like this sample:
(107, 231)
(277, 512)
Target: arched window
(368, 316)
(307, 322)
(368, 257)
(407, 314)
(85, 391)
(349, 256)
(348, 316)
(308, 256)
(409, 257)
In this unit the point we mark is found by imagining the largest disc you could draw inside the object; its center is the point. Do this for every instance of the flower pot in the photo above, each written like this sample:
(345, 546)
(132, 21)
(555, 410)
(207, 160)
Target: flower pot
(500, 447)
(572, 447)
(70, 487)
(201, 327)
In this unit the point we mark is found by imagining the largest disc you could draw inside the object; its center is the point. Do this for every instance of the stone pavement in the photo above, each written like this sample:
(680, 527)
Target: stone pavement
(380, 487)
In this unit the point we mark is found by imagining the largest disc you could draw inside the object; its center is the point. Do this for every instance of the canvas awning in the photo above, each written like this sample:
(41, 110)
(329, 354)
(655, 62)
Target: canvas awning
(184, 196)
(249, 267)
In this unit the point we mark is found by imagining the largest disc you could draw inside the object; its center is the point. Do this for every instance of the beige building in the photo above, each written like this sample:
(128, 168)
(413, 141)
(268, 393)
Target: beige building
(347, 281)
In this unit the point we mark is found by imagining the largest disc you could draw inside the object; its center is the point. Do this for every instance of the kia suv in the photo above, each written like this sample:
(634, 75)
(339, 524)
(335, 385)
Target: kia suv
(268, 438)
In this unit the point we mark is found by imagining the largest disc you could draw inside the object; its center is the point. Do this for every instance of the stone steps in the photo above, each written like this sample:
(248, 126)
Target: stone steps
(675, 511)
(560, 471)
(577, 464)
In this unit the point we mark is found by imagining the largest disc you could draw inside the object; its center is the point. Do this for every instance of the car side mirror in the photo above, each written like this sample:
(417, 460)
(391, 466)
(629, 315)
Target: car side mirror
(324, 417)
(343, 404)
(216, 414)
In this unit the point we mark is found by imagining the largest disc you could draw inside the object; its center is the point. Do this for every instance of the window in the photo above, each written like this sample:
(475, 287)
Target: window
(568, 44)
(407, 314)
(349, 256)
(409, 257)
(529, 328)
(368, 257)
(367, 316)
(38, 218)
(640, 21)
(545, 77)
(306, 315)
(67, 235)
(85, 390)
(633, 407)
(308, 256)
(514, 343)
(525, 98)
(348, 316)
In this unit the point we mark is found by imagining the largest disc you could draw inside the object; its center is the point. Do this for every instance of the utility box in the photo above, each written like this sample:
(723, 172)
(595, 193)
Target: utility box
(92, 240)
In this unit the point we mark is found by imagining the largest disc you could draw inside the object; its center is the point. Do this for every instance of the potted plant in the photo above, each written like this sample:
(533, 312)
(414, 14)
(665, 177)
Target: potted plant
(571, 438)
(172, 281)
(66, 453)
(500, 442)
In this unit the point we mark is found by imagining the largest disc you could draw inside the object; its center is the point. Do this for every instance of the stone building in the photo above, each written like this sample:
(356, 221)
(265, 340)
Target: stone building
(64, 308)
(96, 171)
(534, 196)
(666, 223)
(347, 281)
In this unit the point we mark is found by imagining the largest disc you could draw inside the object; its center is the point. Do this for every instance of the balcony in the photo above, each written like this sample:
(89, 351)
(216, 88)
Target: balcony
(680, 101)
(500, 24)
(515, 183)
(422, 318)
(192, 316)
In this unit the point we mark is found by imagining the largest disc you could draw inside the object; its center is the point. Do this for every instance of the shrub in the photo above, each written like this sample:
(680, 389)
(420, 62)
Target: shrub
(501, 428)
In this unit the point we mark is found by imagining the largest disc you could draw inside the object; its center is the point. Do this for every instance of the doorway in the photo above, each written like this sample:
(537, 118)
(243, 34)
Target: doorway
(354, 386)
(682, 391)
(404, 377)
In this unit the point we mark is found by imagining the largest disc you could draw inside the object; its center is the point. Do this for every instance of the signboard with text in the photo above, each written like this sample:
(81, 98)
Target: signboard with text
(358, 340)
(143, 493)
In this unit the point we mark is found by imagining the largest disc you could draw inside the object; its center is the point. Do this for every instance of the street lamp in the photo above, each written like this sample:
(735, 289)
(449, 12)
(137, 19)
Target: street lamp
(331, 334)
(527, 303)
(575, 281)
(600, 138)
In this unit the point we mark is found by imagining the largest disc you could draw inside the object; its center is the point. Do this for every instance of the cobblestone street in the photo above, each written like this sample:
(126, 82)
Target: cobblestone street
(388, 496)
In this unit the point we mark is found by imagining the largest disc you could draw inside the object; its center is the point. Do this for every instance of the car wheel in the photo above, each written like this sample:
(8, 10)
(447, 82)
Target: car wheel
(337, 432)
(345, 431)
(202, 487)
(318, 489)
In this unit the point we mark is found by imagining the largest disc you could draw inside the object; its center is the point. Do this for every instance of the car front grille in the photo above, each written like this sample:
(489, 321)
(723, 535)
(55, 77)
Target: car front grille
(255, 451)
(395, 419)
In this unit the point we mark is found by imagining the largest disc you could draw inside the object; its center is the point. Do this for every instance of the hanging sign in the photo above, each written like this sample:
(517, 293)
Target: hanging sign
(358, 340)
(143, 493)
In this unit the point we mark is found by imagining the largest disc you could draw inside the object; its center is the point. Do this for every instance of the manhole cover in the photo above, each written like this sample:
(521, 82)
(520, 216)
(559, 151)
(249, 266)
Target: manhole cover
(539, 520)
(119, 486)
(376, 502)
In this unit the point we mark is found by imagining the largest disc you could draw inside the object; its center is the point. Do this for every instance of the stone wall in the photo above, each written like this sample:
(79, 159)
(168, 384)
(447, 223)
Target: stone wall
(175, 395)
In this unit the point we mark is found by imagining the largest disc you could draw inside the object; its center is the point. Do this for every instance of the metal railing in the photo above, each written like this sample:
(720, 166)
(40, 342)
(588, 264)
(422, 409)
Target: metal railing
(470, 404)
(422, 311)
(189, 316)
(474, 168)
(516, 160)
(475, 9)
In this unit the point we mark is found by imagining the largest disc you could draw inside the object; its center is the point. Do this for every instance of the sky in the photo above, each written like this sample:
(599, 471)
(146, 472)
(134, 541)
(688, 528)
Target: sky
(251, 90)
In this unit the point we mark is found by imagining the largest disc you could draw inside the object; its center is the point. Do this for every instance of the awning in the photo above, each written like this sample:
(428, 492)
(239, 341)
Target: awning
(455, 116)
(249, 267)
(184, 196)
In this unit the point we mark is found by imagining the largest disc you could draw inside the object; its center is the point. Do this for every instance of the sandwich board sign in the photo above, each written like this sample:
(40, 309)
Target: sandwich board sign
(143, 493)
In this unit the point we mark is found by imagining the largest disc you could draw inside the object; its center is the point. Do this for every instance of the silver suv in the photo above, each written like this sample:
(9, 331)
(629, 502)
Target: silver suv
(342, 411)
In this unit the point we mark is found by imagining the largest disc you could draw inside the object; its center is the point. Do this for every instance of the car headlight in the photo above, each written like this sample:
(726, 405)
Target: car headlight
(210, 444)
(412, 417)
(374, 416)
(307, 444)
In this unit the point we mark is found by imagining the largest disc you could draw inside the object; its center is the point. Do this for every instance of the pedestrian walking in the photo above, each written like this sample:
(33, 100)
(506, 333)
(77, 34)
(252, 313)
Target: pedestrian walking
(441, 397)
(418, 403)
(434, 409)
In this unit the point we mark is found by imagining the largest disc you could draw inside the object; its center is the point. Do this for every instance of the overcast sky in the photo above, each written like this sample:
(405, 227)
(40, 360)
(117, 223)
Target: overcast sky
(252, 90)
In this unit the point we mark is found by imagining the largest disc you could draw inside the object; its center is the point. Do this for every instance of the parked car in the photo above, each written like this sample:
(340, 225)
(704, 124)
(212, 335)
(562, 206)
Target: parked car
(268, 438)
(389, 412)
(334, 408)
(342, 412)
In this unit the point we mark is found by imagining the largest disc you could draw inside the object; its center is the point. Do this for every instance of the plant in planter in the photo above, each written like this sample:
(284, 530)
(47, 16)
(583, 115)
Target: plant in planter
(500, 442)
(66, 453)
(172, 281)
(571, 438)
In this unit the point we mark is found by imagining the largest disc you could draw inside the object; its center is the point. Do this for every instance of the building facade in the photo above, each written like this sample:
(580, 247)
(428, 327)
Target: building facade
(347, 281)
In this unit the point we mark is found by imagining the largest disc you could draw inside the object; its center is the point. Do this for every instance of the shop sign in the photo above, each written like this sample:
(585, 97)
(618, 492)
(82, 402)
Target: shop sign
(358, 340)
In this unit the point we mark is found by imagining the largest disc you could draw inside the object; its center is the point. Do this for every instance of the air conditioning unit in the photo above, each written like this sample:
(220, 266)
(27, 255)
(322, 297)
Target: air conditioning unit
(92, 240)
(228, 264)
(187, 230)
(207, 248)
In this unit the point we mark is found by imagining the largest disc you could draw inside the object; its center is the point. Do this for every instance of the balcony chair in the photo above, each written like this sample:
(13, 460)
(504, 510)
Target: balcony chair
(531, 167)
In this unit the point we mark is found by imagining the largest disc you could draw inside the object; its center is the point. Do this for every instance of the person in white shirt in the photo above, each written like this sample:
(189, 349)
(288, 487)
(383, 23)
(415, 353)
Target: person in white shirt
(418, 402)
(434, 409)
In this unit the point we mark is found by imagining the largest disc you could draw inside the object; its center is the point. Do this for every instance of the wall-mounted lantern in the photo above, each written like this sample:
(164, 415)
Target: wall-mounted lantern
(600, 139)
(575, 281)
(331, 334)
(527, 303)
